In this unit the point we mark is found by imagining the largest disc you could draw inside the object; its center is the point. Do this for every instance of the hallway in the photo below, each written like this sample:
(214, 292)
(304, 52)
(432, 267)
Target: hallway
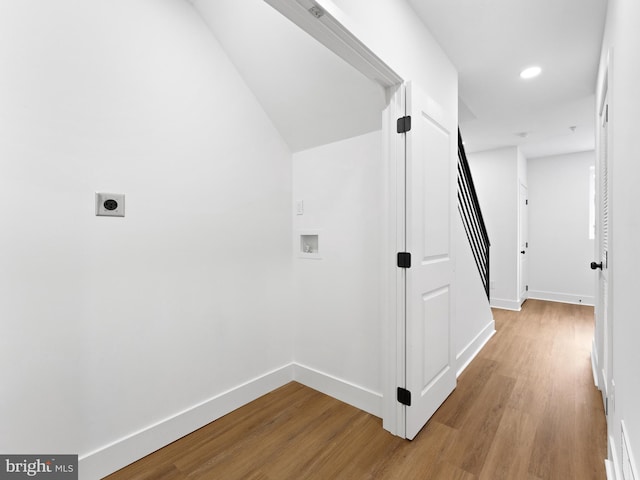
(525, 408)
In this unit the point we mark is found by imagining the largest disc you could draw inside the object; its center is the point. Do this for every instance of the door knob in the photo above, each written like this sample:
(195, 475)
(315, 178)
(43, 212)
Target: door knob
(595, 265)
(522, 252)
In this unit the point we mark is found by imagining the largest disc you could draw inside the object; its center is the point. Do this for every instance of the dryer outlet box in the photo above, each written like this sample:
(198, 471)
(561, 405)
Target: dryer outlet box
(109, 204)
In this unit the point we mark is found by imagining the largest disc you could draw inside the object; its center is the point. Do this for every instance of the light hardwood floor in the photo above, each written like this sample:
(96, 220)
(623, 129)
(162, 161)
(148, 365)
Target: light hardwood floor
(525, 409)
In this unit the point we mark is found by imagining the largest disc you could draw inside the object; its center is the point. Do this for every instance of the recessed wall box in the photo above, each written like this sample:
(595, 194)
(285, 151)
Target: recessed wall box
(309, 244)
(109, 204)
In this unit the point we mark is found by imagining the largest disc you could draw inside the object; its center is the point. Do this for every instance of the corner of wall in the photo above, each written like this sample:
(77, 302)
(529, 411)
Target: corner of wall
(347, 392)
(127, 450)
(503, 304)
(473, 348)
(562, 297)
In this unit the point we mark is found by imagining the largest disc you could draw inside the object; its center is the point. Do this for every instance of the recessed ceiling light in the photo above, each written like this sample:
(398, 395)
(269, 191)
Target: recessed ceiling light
(530, 72)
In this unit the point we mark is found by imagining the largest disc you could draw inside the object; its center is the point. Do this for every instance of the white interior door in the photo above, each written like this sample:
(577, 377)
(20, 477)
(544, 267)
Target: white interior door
(604, 327)
(523, 245)
(430, 168)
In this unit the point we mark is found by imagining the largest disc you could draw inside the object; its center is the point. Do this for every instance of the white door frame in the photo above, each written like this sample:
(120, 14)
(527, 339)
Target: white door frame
(328, 24)
(602, 345)
(394, 293)
(523, 243)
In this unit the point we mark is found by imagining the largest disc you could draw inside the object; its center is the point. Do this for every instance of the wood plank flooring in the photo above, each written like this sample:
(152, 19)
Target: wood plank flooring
(525, 409)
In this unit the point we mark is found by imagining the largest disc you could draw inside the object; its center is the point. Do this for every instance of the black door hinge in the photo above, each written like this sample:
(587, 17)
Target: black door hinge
(404, 260)
(526, 202)
(404, 396)
(527, 288)
(404, 124)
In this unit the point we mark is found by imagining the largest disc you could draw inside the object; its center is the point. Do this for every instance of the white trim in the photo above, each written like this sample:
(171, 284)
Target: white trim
(393, 345)
(562, 297)
(332, 29)
(609, 470)
(514, 305)
(122, 452)
(594, 364)
(605, 386)
(612, 464)
(338, 388)
(468, 353)
(626, 447)
(604, 87)
(523, 293)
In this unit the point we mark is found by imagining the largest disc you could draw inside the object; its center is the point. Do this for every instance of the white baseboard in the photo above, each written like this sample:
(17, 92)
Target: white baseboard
(629, 470)
(505, 304)
(468, 353)
(359, 397)
(121, 453)
(621, 467)
(562, 297)
(612, 463)
(609, 470)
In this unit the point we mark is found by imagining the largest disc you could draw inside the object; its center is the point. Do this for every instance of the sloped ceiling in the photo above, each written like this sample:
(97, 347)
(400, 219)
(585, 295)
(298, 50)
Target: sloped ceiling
(313, 97)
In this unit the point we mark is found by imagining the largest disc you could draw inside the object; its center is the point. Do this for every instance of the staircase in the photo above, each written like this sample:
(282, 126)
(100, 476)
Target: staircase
(471, 215)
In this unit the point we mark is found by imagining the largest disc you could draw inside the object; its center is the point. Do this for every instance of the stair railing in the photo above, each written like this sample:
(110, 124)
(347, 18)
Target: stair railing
(472, 219)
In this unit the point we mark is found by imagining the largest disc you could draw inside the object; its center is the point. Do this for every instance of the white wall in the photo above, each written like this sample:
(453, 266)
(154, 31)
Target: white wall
(426, 66)
(111, 325)
(338, 320)
(474, 324)
(622, 35)
(125, 329)
(559, 246)
(338, 328)
(496, 177)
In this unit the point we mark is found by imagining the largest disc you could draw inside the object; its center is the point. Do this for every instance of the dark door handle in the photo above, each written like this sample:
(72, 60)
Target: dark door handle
(595, 265)
(522, 252)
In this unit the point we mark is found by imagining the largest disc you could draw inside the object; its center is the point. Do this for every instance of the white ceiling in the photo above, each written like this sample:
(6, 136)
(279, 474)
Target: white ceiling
(491, 41)
(313, 97)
